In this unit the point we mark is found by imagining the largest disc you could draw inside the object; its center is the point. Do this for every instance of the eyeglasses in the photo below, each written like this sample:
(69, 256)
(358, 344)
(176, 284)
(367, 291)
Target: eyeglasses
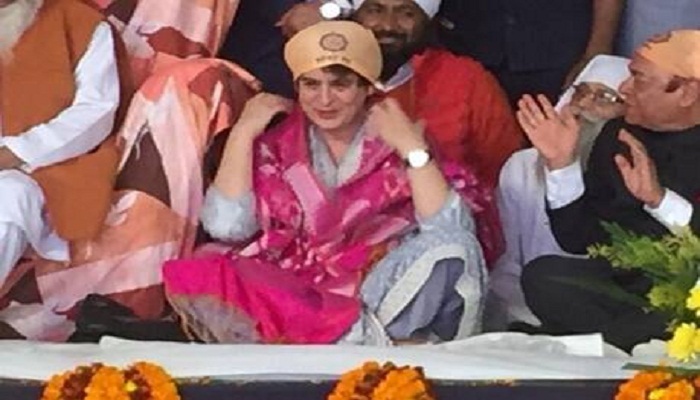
(600, 96)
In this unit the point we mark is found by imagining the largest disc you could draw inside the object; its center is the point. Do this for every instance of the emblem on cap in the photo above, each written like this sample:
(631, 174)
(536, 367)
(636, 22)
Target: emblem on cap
(333, 42)
(661, 37)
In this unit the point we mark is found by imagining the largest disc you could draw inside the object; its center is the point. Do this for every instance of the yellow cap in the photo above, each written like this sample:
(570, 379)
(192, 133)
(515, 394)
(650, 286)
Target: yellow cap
(334, 42)
(677, 52)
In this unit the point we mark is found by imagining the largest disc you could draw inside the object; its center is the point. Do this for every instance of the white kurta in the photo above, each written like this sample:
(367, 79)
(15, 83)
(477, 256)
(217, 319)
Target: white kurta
(521, 204)
(75, 131)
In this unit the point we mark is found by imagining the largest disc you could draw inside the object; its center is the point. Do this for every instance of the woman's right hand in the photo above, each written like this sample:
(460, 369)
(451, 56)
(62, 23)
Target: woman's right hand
(554, 135)
(259, 111)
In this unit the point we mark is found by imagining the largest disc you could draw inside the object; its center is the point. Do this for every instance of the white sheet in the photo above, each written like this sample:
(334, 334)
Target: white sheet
(503, 356)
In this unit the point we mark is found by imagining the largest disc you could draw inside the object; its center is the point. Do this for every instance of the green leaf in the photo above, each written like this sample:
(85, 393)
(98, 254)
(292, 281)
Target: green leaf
(674, 369)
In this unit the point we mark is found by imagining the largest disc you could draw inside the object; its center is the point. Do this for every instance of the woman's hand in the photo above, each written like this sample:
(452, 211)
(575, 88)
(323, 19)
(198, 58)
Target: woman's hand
(388, 120)
(235, 175)
(259, 111)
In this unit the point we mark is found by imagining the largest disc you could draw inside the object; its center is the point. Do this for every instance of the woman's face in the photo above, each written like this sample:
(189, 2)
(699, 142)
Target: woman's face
(332, 101)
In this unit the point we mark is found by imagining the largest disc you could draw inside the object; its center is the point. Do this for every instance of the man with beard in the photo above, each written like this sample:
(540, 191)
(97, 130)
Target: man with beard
(641, 175)
(59, 94)
(593, 100)
(465, 110)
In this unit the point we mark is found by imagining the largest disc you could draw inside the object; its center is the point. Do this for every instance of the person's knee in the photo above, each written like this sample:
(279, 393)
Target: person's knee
(536, 274)
(453, 267)
(20, 196)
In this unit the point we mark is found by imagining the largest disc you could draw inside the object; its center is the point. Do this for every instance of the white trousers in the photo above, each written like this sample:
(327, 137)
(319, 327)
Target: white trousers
(23, 222)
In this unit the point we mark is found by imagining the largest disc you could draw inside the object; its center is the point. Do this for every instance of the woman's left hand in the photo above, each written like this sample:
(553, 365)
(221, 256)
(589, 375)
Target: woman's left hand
(388, 120)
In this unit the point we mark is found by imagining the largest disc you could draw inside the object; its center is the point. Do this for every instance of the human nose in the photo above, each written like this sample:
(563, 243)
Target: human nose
(388, 22)
(325, 95)
(625, 87)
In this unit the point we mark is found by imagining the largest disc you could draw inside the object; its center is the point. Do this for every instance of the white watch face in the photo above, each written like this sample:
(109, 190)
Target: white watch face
(330, 10)
(417, 158)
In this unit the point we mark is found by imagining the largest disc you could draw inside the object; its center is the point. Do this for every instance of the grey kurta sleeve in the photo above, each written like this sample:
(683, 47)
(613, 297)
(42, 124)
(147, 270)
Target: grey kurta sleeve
(453, 218)
(229, 219)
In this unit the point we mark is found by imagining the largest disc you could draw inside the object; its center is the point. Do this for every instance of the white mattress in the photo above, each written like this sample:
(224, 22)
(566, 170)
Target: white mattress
(501, 356)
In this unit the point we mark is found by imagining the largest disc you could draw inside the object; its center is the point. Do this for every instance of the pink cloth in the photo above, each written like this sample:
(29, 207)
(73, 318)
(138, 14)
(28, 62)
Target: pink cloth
(298, 282)
(159, 33)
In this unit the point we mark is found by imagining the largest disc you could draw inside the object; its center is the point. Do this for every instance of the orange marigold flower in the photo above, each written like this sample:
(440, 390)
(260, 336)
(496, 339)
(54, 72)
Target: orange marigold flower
(54, 387)
(388, 382)
(108, 383)
(642, 384)
(160, 384)
(100, 382)
(403, 383)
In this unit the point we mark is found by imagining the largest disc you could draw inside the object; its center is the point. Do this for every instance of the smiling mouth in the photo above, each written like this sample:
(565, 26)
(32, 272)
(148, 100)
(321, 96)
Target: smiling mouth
(326, 114)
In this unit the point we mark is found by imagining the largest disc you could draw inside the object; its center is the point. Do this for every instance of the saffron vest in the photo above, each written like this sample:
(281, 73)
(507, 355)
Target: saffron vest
(36, 85)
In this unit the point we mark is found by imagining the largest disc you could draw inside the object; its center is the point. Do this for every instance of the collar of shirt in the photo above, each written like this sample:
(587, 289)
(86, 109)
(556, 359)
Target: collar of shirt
(402, 75)
(326, 169)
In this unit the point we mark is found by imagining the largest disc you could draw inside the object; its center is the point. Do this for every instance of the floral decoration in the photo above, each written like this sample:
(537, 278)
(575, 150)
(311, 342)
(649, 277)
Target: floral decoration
(373, 381)
(660, 385)
(672, 264)
(140, 381)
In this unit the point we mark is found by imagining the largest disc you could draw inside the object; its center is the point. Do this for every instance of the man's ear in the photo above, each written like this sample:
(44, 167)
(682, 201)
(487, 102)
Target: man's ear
(690, 93)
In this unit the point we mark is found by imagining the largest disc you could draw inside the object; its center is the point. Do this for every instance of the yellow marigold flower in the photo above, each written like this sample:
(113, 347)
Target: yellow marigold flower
(131, 387)
(657, 394)
(679, 390)
(682, 346)
(693, 301)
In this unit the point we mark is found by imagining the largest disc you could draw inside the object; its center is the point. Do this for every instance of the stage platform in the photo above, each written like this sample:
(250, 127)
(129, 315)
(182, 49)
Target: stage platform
(445, 390)
(492, 366)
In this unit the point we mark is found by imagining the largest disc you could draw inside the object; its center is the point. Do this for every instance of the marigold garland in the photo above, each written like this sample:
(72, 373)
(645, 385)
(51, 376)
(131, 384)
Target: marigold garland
(659, 385)
(386, 382)
(140, 381)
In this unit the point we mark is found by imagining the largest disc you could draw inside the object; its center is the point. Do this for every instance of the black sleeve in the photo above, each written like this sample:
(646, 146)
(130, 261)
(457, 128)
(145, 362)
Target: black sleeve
(577, 225)
(267, 11)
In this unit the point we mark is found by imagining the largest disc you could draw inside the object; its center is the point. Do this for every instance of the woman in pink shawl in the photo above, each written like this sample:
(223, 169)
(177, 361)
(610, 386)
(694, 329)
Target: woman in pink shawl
(340, 224)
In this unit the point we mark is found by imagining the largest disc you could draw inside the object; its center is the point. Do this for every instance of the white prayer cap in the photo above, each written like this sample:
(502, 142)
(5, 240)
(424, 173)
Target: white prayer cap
(611, 71)
(430, 7)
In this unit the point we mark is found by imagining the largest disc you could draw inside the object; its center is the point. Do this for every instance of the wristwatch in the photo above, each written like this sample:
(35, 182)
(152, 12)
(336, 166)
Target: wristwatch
(418, 158)
(334, 9)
